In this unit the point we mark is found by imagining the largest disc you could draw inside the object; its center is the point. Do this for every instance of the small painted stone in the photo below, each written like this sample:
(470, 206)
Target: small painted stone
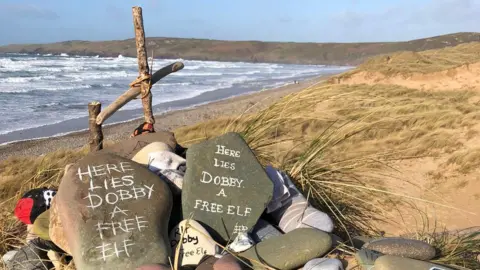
(402, 247)
(389, 262)
(323, 264)
(225, 187)
(289, 251)
(142, 155)
(41, 225)
(130, 147)
(55, 228)
(196, 242)
(114, 213)
(366, 258)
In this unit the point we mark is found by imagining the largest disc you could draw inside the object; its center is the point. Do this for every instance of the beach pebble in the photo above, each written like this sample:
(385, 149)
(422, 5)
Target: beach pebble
(389, 262)
(263, 230)
(130, 147)
(291, 250)
(402, 247)
(114, 213)
(225, 187)
(323, 264)
(196, 242)
(142, 155)
(359, 241)
(226, 262)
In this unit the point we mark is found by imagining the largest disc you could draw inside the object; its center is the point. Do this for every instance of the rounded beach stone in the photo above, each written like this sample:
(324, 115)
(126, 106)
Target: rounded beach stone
(55, 228)
(41, 225)
(197, 242)
(323, 264)
(402, 247)
(114, 213)
(227, 262)
(153, 267)
(130, 147)
(389, 262)
(142, 155)
(289, 251)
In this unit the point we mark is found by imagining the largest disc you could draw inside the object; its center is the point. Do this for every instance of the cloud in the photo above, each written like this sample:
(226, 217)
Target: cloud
(27, 11)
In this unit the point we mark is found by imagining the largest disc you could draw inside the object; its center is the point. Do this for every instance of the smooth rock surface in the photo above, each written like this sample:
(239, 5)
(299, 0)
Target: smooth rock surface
(55, 228)
(389, 262)
(114, 213)
(225, 187)
(289, 251)
(142, 155)
(323, 264)
(130, 147)
(402, 247)
(196, 242)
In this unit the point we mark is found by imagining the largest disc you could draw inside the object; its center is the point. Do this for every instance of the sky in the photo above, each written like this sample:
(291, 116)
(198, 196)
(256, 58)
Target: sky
(45, 21)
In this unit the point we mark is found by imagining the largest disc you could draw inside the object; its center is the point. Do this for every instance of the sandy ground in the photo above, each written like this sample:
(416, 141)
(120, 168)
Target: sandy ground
(463, 77)
(168, 121)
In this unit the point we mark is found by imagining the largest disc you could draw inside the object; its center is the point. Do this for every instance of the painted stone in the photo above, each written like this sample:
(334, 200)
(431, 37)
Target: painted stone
(289, 251)
(130, 147)
(389, 262)
(114, 213)
(402, 247)
(323, 264)
(225, 187)
(196, 242)
(366, 258)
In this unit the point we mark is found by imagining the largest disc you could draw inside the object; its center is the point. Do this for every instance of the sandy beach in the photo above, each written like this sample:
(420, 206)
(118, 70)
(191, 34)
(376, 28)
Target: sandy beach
(166, 121)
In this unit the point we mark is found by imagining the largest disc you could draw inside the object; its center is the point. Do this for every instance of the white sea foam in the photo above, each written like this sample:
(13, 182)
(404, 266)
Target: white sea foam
(67, 81)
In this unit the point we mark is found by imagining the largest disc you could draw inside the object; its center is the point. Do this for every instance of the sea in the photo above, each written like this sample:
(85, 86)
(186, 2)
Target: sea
(38, 91)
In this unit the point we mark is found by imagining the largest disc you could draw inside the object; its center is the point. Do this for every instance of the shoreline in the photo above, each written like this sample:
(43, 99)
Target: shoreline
(169, 120)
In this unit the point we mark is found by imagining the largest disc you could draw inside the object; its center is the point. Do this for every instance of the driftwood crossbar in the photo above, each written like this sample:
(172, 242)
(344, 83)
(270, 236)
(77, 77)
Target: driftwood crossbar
(139, 87)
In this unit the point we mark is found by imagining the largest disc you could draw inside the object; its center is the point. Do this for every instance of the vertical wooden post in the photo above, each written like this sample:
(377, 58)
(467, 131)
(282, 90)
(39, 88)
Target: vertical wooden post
(143, 69)
(96, 135)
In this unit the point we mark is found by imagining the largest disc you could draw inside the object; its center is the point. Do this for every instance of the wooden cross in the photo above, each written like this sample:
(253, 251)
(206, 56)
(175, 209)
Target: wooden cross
(139, 87)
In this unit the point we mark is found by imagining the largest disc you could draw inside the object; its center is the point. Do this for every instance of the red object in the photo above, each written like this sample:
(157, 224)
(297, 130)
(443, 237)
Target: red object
(24, 209)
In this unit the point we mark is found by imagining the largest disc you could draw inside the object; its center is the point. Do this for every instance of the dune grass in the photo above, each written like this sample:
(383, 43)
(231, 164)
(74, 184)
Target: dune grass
(407, 63)
(337, 143)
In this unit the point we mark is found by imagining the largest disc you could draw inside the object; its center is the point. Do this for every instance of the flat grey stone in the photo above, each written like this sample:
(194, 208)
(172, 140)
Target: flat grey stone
(225, 187)
(366, 258)
(323, 264)
(114, 213)
(289, 251)
(402, 247)
(389, 262)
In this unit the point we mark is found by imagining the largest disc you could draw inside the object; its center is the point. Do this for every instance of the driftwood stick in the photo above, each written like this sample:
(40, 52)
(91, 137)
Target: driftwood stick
(135, 91)
(143, 69)
(96, 134)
